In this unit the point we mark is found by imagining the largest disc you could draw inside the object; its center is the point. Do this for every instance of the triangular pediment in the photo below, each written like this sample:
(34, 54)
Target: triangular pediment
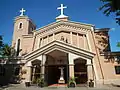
(64, 24)
(61, 46)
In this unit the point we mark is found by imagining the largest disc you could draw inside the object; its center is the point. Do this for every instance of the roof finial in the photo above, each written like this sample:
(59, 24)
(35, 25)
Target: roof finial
(22, 12)
(61, 8)
(62, 16)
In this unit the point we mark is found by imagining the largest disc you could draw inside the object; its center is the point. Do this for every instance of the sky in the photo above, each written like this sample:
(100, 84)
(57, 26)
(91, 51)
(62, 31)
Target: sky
(44, 12)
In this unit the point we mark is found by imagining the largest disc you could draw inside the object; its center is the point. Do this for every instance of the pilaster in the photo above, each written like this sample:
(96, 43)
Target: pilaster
(71, 65)
(53, 36)
(70, 37)
(77, 40)
(71, 70)
(43, 65)
(28, 78)
(90, 70)
(84, 42)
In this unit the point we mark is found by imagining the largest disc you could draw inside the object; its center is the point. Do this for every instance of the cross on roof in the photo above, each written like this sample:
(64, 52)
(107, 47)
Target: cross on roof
(22, 12)
(62, 8)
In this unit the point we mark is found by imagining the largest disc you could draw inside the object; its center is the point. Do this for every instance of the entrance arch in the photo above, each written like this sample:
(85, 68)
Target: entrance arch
(55, 60)
(36, 70)
(80, 69)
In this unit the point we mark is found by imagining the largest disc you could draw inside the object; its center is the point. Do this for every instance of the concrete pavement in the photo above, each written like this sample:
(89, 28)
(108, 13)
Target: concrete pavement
(21, 87)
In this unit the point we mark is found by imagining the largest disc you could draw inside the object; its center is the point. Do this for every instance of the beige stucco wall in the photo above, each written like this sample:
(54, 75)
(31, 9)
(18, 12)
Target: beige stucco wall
(107, 66)
(18, 32)
(79, 40)
(24, 34)
(74, 39)
(27, 44)
(83, 38)
(81, 44)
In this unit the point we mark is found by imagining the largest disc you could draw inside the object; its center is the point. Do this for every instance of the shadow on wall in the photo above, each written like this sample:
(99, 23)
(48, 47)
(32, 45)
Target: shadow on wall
(7, 74)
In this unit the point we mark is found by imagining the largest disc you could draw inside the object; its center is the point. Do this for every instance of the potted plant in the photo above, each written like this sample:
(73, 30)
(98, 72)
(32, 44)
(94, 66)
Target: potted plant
(91, 83)
(27, 84)
(24, 71)
(34, 81)
(72, 82)
(40, 82)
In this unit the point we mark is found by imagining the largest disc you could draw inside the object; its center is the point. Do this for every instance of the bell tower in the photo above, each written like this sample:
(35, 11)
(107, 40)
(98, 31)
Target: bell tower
(23, 25)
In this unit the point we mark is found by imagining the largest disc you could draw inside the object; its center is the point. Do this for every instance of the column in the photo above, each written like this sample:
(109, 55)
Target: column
(43, 65)
(90, 70)
(71, 65)
(33, 73)
(71, 70)
(28, 77)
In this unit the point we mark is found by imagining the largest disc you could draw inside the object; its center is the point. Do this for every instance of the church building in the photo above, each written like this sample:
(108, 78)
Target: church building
(64, 49)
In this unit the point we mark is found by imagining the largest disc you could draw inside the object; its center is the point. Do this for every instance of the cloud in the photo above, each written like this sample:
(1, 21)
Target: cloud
(113, 29)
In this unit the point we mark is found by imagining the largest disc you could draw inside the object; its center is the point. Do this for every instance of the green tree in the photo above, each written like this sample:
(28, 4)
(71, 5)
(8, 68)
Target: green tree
(1, 41)
(1, 45)
(118, 44)
(111, 6)
(8, 51)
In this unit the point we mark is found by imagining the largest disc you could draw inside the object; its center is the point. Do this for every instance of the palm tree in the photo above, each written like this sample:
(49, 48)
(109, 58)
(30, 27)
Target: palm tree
(1, 45)
(111, 6)
(1, 41)
(8, 51)
(118, 44)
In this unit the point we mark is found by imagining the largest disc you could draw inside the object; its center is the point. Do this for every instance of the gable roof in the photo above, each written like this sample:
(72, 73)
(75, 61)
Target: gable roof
(59, 45)
(68, 23)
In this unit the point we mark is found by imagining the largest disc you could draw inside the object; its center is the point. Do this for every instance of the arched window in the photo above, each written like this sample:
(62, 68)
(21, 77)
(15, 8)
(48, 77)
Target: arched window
(2, 70)
(17, 71)
(20, 25)
(18, 47)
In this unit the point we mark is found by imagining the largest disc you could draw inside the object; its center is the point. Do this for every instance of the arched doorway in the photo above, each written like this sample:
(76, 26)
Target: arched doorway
(2, 70)
(80, 70)
(36, 70)
(56, 60)
(16, 77)
(17, 70)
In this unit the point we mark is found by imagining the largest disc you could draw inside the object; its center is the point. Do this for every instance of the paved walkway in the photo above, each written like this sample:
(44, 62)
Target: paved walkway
(21, 87)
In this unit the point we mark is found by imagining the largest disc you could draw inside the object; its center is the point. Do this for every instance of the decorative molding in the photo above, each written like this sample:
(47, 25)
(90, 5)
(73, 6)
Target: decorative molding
(59, 29)
(28, 36)
(62, 24)
(59, 46)
(24, 17)
(88, 42)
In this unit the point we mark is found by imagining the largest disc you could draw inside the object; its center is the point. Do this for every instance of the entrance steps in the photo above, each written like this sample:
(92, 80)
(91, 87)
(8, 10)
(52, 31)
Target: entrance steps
(58, 85)
(65, 85)
(81, 85)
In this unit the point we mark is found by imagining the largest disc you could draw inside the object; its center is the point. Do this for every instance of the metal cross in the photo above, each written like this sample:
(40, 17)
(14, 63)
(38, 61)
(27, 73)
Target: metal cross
(62, 8)
(22, 12)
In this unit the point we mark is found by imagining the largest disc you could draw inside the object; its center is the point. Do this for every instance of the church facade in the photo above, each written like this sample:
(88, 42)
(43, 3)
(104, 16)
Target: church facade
(62, 50)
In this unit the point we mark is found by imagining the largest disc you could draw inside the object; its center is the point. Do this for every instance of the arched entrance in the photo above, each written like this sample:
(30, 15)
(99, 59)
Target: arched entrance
(17, 70)
(36, 70)
(80, 70)
(55, 60)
